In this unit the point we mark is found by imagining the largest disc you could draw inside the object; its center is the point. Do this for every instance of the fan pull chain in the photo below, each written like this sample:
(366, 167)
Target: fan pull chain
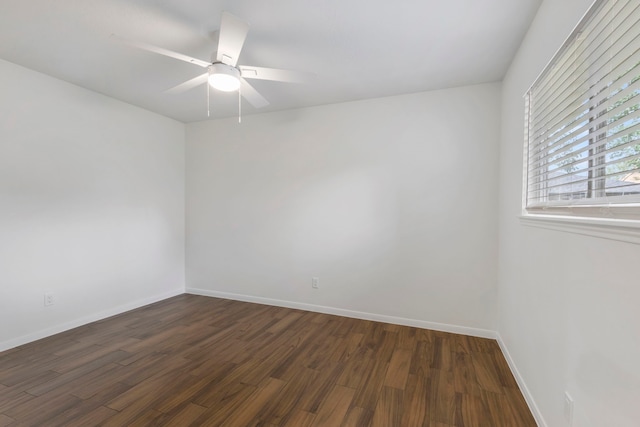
(208, 103)
(239, 105)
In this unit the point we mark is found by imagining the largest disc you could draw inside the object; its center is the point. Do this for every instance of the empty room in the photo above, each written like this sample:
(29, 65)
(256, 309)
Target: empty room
(336, 213)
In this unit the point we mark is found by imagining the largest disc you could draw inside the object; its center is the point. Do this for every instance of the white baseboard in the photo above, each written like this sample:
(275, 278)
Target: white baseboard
(455, 329)
(523, 386)
(15, 342)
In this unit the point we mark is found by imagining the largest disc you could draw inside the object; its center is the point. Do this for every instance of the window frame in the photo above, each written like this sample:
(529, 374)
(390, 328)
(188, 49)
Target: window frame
(590, 216)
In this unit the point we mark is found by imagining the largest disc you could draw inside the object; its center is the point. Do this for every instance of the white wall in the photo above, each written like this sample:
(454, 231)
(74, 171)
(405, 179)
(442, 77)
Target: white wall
(391, 202)
(569, 312)
(91, 205)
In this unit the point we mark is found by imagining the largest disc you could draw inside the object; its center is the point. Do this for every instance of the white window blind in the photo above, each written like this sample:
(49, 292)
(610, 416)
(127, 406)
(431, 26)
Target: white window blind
(583, 117)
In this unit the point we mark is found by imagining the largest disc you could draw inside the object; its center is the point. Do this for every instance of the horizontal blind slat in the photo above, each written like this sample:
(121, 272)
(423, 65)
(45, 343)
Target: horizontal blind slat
(590, 31)
(537, 162)
(594, 98)
(631, 132)
(577, 96)
(628, 128)
(629, 188)
(583, 114)
(632, 89)
(551, 182)
(591, 51)
(607, 201)
(558, 175)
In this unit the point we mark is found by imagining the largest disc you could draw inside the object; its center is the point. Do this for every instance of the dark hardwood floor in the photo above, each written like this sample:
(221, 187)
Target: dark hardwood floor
(201, 361)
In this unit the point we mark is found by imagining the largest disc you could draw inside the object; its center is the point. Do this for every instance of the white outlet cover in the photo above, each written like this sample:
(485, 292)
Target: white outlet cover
(48, 299)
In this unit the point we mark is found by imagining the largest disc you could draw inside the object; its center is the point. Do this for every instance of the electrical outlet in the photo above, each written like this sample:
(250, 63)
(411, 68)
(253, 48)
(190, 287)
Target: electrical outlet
(568, 408)
(315, 282)
(48, 298)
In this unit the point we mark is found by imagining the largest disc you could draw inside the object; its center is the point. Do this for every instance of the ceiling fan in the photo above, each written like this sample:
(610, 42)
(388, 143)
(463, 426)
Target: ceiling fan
(224, 73)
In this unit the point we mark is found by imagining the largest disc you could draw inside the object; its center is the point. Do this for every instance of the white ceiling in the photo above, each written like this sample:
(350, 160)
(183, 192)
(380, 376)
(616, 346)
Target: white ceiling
(357, 48)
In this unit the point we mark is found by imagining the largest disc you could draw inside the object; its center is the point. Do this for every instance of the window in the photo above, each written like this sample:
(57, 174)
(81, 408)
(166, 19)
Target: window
(582, 154)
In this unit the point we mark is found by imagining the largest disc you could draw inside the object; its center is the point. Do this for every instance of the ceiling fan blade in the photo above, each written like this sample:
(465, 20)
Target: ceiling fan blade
(249, 93)
(189, 84)
(233, 32)
(262, 73)
(161, 51)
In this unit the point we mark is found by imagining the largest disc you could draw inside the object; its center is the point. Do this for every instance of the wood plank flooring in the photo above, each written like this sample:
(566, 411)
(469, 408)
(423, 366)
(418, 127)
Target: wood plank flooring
(201, 361)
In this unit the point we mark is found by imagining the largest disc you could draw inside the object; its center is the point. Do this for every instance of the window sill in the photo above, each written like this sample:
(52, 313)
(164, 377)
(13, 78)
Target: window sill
(621, 230)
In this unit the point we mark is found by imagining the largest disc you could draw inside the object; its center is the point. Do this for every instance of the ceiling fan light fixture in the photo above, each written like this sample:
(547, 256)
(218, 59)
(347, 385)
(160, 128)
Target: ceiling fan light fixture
(224, 77)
